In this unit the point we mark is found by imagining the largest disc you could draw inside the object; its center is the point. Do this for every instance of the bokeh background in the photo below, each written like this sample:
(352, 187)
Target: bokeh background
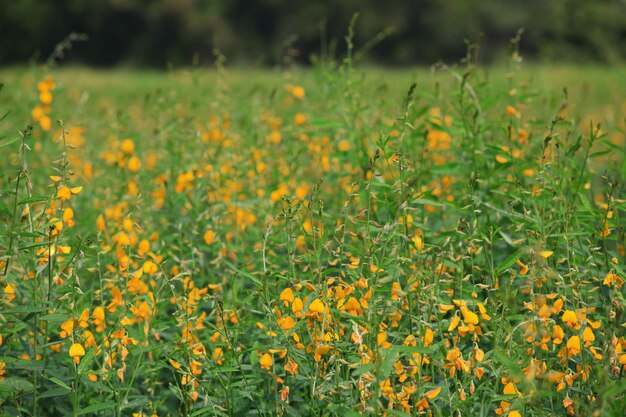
(158, 33)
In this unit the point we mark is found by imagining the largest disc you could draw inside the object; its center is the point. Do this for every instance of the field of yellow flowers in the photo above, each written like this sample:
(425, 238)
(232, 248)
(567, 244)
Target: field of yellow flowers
(329, 242)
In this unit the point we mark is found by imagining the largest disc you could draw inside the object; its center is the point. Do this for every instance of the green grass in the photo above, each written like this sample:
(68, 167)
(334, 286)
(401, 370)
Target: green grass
(317, 242)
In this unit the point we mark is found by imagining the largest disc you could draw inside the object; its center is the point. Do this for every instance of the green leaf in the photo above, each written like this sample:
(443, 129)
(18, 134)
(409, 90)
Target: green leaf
(508, 262)
(55, 392)
(136, 403)
(425, 201)
(387, 365)
(85, 362)
(55, 318)
(26, 309)
(509, 364)
(177, 392)
(32, 200)
(327, 124)
(96, 407)
(290, 410)
(14, 329)
(34, 245)
(342, 410)
(7, 142)
(31, 235)
(207, 411)
(360, 370)
(600, 153)
(58, 382)
(15, 384)
(245, 274)
(397, 413)
(411, 349)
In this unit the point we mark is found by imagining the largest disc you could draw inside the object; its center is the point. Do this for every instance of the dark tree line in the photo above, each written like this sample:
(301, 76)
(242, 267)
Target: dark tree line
(266, 32)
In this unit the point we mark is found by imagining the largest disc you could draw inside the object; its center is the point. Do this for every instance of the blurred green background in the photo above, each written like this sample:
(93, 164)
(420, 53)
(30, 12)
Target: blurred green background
(269, 32)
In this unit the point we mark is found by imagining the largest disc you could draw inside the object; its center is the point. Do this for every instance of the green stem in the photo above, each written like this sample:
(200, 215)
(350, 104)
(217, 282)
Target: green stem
(75, 384)
(11, 232)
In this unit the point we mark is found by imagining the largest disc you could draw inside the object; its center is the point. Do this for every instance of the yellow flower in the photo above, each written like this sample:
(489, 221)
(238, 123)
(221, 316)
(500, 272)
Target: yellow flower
(68, 217)
(352, 306)
(266, 361)
(274, 137)
(557, 335)
(595, 354)
(418, 242)
(286, 323)
(469, 317)
(37, 113)
(297, 307)
(45, 97)
(175, 365)
(454, 323)
(195, 367)
(45, 123)
(9, 292)
(546, 254)
(456, 362)
(300, 119)
(301, 191)
(136, 285)
(320, 351)
(483, 312)
(287, 296)
(116, 301)
(291, 366)
(501, 159)
(297, 92)
(432, 394)
(128, 146)
(444, 308)
(64, 192)
(611, 279)
(573, 346)
(511, 111)
(149, 267)
(98, 318)
(67, 328)
(317, 306)
(209, 237)
(524, 267)
(134, 164)
(504, 407)
(381, 340)
(396, 290)
(570, 319)
(142, 311)
(100, 223)
(511, 389)
(429, 336)
(588, 336)
(82, 321)
(77, 351)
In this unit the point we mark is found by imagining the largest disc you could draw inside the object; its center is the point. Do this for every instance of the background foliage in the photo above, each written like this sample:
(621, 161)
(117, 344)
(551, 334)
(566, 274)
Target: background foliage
(160, 32)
